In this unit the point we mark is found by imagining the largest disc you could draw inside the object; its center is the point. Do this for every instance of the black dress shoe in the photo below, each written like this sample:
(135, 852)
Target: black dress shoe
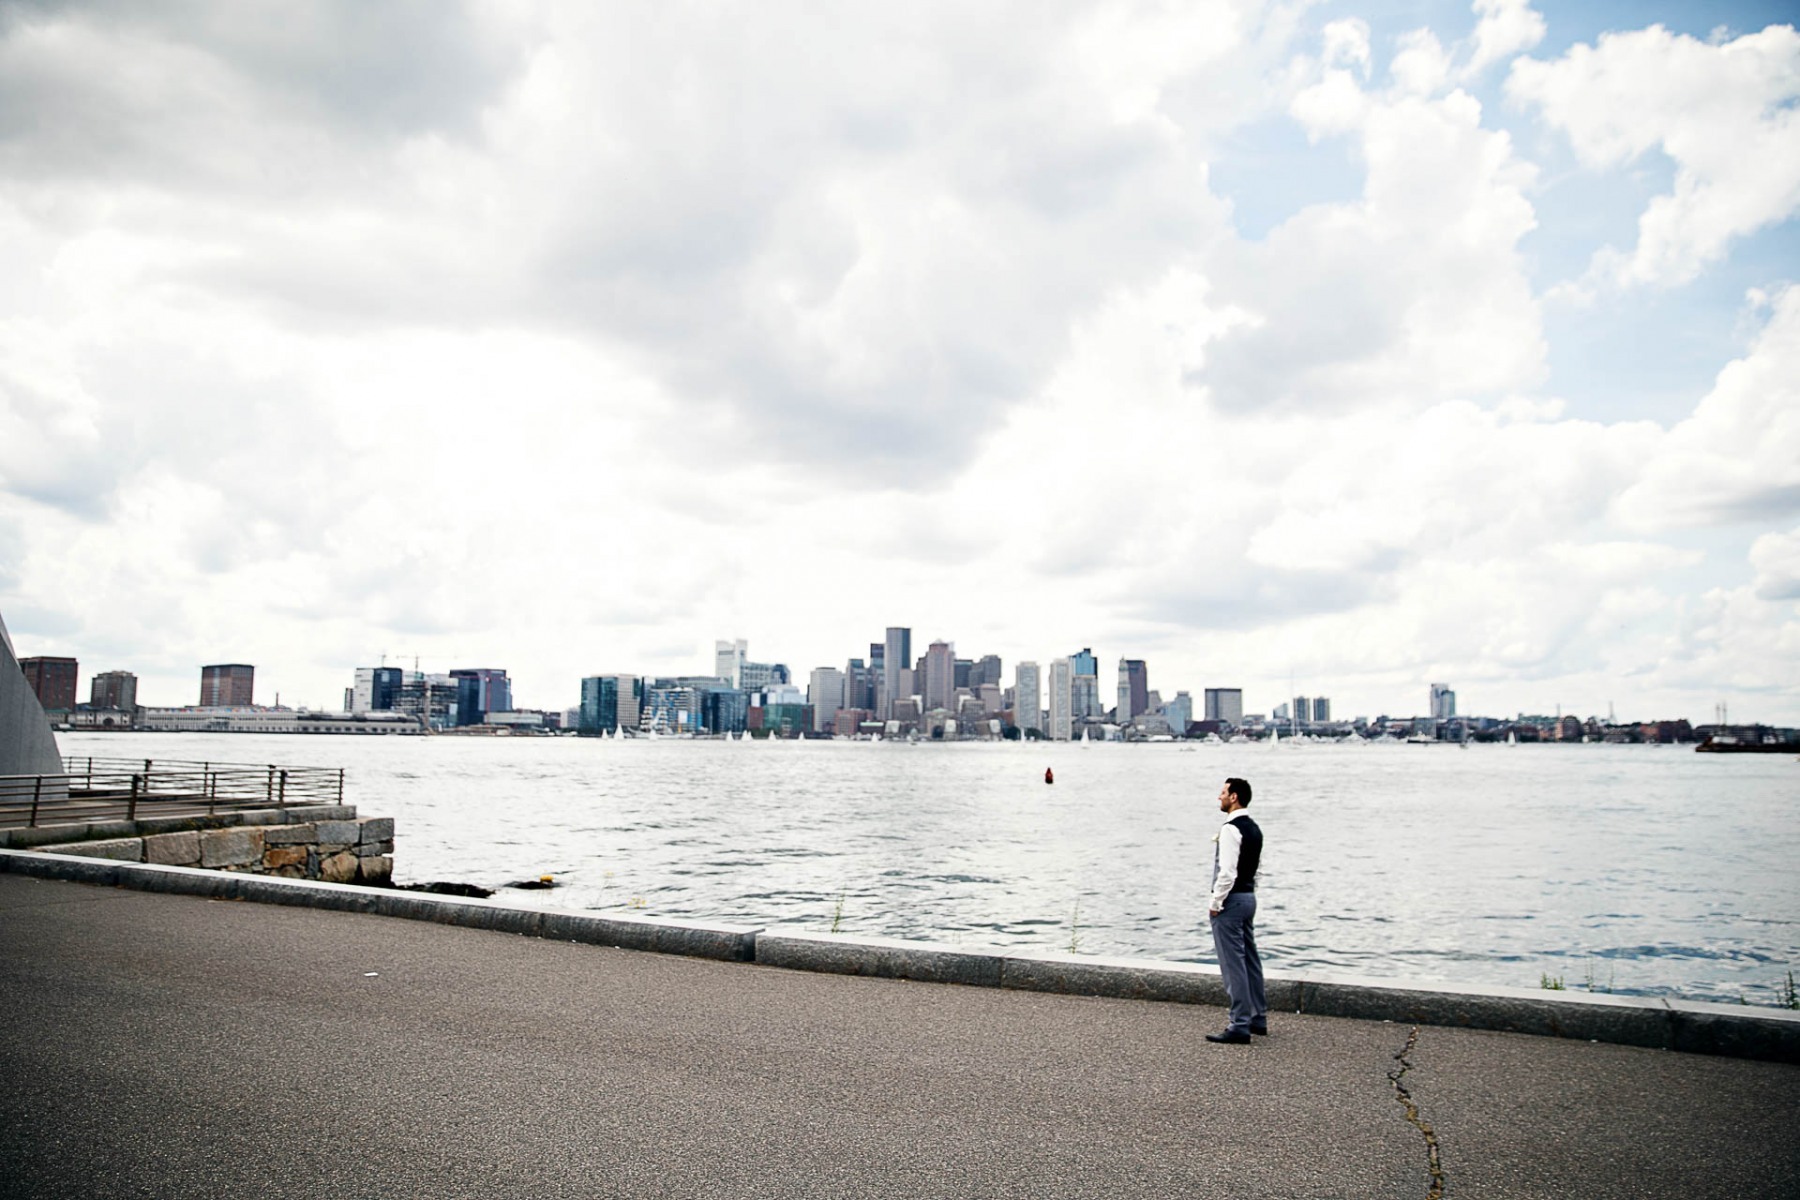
(1260, 1030)
(1230, 1037)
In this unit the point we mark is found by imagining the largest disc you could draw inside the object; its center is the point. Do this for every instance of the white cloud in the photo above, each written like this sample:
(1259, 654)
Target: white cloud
(1506, 28)
(1135, 51)
(1736, 646)
(50, 443)
(1723, 113)
(1332, 106)
(1776, 558)
(1421, 65)
(875, 234)
(1414, 294)
(582, 337)
(1737, 458)
(1346, 44)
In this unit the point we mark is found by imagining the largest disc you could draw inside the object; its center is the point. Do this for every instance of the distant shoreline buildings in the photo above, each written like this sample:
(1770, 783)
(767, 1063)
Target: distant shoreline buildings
(228, 685)
(937, 696)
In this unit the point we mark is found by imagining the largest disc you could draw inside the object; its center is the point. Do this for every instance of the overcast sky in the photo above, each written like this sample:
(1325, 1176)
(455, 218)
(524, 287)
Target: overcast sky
(1360, 346)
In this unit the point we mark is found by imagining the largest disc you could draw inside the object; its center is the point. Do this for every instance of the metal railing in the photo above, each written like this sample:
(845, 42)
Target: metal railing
(102, 789)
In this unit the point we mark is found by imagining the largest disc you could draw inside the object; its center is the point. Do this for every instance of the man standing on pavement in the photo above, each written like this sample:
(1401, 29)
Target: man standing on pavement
(1236, 852)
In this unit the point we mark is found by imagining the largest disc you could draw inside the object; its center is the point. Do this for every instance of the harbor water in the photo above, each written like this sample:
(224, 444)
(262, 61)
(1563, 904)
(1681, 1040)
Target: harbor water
(1642, 870)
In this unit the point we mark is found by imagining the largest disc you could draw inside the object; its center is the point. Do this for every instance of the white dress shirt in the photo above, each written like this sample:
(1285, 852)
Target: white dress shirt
(1229, 841)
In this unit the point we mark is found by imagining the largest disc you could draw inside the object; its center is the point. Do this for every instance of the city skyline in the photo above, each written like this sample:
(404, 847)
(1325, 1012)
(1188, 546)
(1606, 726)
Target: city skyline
(1298, 349)
(1072, 688)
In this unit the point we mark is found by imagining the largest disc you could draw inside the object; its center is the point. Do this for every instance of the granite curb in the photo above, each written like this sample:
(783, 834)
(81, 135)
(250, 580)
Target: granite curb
(883, 957)
(1689, 1026)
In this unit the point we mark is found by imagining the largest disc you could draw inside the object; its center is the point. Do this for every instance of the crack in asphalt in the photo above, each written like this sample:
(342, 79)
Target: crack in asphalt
(1433, 1160)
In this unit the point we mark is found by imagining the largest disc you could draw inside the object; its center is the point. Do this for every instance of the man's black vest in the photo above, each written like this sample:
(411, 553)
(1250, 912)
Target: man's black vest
(1249, 853)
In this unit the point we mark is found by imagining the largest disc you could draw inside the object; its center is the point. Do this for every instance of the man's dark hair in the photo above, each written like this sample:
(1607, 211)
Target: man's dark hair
(1241, 789)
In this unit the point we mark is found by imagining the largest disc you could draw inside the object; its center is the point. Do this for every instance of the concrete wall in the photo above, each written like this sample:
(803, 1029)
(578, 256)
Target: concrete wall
(323, 842)
(27, 747)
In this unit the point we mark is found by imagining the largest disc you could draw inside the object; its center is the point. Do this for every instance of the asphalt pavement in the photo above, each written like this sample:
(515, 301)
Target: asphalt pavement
(161, 1045)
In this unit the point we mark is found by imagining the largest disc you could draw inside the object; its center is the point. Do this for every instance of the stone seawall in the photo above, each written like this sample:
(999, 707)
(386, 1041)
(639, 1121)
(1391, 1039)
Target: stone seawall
(329, 843)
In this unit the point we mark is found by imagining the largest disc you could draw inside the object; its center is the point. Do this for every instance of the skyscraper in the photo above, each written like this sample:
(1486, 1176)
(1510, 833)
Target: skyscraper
(1062, 699)
(673, 705)
(1225, 704)
(1321, 710)
(1027, 706)
(940, 676)
(53, 680)
(433, 699)
(609, 702)
(376, 689)
(725, 710)
(1443, 701)
(227, 685)
(114, 689)
(1084, 691)
(728, 660)
(360, 695)
(1084, 685)
(1179, 713)
(861, 685)
(1134, 689)
(1302, 710)
(826, 695)
(896, 657)
(986, 670)
(480, 691)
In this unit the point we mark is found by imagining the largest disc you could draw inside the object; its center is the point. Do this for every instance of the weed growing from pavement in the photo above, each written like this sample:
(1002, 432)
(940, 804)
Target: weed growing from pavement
(1787, 991)
(1593, 982)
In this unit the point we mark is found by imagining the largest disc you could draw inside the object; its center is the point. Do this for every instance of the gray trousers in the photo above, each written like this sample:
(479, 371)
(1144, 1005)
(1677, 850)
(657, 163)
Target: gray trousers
(1234, 944)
